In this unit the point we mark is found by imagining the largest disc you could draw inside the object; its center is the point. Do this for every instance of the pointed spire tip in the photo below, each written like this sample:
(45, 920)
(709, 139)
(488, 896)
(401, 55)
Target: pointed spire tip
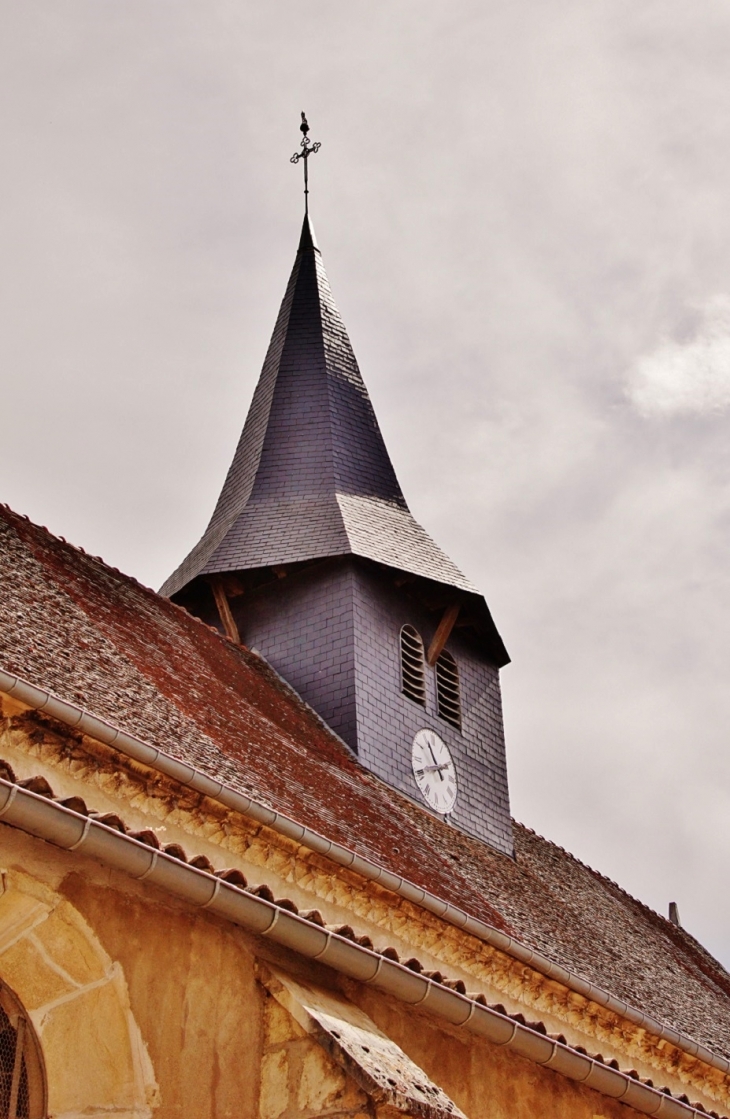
(307, 241)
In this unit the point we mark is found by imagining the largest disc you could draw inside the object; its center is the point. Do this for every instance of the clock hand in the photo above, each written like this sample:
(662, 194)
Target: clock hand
(435, 768)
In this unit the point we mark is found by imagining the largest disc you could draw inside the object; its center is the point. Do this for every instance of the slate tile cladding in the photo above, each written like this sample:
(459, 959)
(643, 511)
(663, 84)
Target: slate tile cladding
(334, 635)
(304, 627)
(311, 476)
(387, 720)
(97, 638)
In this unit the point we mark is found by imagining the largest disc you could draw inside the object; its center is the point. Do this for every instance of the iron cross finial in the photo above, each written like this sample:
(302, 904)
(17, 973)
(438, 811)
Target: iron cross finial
(308, 148)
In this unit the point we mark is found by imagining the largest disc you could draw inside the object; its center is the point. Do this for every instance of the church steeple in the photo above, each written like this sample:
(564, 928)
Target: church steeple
(311, 476)
(313, 558)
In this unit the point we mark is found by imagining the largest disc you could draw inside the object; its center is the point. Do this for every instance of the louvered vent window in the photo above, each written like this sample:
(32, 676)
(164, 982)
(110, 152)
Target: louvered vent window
(21, 1077)
(448, 693)
(411, 662)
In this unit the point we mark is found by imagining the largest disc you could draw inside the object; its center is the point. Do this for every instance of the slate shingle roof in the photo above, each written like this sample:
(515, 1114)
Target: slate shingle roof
(99, 639)
(311, 476)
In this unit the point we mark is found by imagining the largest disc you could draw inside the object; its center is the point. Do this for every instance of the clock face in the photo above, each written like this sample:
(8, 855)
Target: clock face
(434, 771)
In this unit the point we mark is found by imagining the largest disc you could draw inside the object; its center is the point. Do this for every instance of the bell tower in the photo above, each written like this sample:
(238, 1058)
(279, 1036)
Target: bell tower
(313, 558)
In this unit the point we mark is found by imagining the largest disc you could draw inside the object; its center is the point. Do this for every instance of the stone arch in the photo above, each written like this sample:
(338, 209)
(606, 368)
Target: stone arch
(76, 998)
(22, 1075)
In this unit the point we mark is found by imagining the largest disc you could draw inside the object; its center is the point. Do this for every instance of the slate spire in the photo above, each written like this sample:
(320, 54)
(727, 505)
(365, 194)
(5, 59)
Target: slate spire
(311, 477)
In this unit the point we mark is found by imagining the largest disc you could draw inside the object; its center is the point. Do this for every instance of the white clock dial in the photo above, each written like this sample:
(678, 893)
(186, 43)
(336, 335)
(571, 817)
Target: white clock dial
(434, 771)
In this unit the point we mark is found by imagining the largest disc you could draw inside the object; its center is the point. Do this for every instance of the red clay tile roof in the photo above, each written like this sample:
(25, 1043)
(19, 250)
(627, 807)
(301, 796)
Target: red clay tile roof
(98, 638)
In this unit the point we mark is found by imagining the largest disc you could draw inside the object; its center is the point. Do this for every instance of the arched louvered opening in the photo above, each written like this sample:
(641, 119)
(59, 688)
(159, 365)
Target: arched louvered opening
(22, 1083)
(448, 692)
(413, 681)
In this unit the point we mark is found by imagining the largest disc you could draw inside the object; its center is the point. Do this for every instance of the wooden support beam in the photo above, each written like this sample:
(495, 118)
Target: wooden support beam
(232, 585)
(224, 609)
(443, 632)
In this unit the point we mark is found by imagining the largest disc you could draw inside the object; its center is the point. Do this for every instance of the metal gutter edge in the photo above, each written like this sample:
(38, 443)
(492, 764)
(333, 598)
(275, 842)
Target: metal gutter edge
(70, 831)
(76, 717)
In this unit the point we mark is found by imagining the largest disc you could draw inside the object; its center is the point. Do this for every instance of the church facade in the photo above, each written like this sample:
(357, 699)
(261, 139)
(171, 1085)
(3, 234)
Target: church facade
(256, 855)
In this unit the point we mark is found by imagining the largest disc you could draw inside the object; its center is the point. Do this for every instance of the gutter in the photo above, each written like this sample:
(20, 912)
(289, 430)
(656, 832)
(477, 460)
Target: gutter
(99, 729)
(70, 831)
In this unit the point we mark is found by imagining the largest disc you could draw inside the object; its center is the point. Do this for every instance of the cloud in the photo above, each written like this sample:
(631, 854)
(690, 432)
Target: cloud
(692, 376)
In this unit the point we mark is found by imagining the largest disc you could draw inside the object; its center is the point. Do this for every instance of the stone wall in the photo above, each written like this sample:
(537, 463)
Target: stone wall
(143, 1009)
(140, 1008)
(298, 1079)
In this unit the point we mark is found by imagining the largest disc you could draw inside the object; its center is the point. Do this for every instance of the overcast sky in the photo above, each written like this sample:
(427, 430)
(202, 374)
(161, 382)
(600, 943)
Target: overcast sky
(523, 211)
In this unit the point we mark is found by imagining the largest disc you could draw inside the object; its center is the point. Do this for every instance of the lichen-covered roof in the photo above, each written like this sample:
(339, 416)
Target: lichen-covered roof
(311, 476)
(99, 639)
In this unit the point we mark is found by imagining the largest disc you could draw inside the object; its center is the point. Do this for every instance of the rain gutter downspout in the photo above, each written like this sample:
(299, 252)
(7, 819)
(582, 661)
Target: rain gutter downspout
(99, 729)
(70, 831)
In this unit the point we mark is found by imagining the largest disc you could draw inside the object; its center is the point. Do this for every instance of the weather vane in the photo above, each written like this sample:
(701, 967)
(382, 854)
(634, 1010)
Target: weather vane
(308, 148)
